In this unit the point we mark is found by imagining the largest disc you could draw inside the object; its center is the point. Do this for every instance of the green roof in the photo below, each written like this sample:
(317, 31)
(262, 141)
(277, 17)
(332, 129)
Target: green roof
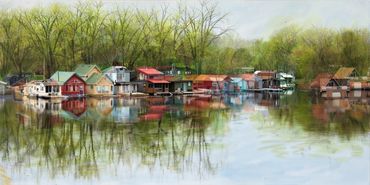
(62, 76)
(95, 78)
(107, 69)
(83, 69)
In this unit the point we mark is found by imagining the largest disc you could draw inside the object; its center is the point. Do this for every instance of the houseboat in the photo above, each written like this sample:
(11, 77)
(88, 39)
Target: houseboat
(52, 90)
(249, 80)
(99, 85)
(214, 84)
(85, 71)
(237, 84)
(266, 81)
(153, 81)
(179, 84)
(285, 81)
(344, 75)
(328, 87)
(72, 85)
(121, 78)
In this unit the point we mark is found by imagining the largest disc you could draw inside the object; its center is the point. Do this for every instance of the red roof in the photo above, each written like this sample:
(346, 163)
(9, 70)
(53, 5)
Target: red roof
(149, 71)
(158, 81)
(320, 80)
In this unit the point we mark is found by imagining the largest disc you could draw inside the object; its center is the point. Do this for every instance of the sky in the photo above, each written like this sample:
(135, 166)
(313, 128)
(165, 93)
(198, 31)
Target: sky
(254, 19)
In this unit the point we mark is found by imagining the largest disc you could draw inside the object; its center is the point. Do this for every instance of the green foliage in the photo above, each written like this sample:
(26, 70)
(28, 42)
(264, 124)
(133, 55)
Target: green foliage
(305, 52)
(59, 37)
(44, 40)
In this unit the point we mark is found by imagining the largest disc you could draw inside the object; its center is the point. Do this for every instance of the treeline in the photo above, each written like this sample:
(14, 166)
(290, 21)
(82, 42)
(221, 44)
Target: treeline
(58, 38)
(43, 40)
(303, 51)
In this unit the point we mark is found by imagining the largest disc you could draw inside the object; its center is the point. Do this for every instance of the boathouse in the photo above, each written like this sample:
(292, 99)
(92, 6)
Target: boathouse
(284, 80)
(249, 80)
(265, 79)
(153, 79)
(99, 85)
(237, 84)
(215, 83)
(344, 75)
(328, 87)
(179, 84)
(71, 83)
(52, 88)
(85, 71)
(120, 76)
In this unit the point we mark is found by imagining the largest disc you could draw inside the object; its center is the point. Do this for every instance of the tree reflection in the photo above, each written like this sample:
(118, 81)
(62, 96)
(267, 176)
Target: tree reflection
(343, 117)
(41, 134)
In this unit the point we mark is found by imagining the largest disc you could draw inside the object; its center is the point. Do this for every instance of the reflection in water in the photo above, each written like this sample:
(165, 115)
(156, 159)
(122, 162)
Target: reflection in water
(182, 134)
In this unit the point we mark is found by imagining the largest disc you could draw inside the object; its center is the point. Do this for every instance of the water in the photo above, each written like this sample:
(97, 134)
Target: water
(239, 139)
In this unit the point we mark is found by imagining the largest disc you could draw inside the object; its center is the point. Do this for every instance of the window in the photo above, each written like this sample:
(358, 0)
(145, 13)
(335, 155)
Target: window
(120, 77)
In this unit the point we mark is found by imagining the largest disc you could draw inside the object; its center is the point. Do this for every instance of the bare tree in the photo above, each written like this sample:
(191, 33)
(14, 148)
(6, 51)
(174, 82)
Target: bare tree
(45, 29)
(202, 28)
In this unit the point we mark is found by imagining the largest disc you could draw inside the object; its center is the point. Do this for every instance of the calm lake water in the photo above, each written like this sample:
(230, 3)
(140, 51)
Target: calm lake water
(235, 139)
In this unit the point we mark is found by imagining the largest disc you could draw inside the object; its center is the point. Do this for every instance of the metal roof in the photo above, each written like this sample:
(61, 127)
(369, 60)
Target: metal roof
(343, 72)
(83, 69)
(158, 81)
(149, 71)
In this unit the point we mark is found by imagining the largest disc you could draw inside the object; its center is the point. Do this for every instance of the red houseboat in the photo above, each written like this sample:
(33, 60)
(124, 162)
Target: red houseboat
(72, 84)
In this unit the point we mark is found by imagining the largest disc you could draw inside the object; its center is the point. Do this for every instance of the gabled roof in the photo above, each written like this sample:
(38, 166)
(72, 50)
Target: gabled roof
(213, 78)
(113, 68)
(83, 69)
(95, 78)
(247, 76)
(62, 76)
(320, 80)
(149, 71)
(344, 72)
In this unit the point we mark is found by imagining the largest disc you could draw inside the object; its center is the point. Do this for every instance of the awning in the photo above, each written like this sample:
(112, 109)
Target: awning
(158, 81)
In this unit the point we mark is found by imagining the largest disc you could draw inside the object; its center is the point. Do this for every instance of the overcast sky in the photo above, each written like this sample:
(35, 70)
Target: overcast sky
(253, 19)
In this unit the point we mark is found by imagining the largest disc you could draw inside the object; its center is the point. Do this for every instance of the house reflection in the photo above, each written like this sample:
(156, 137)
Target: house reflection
(74, 108)
(156, 108)
(126, 110)
(182, 141)
(332, 110)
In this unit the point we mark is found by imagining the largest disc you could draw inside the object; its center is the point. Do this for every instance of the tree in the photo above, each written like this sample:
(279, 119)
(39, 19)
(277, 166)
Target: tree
(202, 28)
(45, 29)
(15, 50)
(354, 49)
